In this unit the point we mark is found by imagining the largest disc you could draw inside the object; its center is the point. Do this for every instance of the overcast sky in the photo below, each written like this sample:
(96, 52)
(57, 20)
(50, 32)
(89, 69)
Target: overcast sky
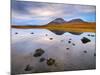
(39, 13)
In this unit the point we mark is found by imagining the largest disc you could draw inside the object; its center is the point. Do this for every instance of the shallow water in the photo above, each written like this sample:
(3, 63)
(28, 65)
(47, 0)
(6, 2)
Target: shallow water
(73, 55)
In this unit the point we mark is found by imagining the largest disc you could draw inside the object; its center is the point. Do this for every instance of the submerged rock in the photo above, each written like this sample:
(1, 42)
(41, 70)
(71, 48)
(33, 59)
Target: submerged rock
(67, 48)
(46, 34)
(42, 59)
(85, 40)
(70, 39)
(16, 33)
(50, 62)
(73, 44)
(92, 35)
(38, 52)
(51, 38)
(32, 33)
(28, 68)
(62, 40)
(88, 35)
(85, 51)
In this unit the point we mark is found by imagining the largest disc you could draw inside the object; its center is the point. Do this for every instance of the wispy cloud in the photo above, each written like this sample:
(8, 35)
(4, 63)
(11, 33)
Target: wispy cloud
(22, 10)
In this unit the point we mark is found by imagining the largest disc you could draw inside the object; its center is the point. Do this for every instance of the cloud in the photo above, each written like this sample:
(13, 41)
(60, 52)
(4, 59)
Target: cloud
(24, 10)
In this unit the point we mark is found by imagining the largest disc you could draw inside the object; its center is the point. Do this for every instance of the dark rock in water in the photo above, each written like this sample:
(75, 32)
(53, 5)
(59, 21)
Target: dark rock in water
(32, 33)
(89, 35)
(69, 41)
(76, 33)
(57, 32)
(16, 33)
(85, 40)
(62, 40)
(42, 59)
(92, 35)
(28, 68)
(50, 62)
(38, 52)
(73, 44)
(67, 48)
(46, 34)
(85, 51)
(51, 38)
(94, 54)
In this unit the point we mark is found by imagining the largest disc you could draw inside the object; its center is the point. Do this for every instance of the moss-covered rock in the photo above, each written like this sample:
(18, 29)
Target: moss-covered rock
(38, 52)
(85, 40)
(50, 62)
(28, 68)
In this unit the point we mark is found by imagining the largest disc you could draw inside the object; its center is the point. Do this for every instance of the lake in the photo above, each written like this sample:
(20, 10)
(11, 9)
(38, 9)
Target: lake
(40, 50)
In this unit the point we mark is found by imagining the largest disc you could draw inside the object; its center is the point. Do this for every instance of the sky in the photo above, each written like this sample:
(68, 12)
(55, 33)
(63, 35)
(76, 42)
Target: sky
(40, 13)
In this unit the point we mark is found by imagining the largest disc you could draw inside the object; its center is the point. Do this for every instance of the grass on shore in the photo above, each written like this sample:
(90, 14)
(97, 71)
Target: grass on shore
(71, 27)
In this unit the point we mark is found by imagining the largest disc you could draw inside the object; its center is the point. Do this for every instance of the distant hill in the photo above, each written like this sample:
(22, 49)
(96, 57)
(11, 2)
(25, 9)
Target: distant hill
(60, 21)
(76, 21)
(57, 21)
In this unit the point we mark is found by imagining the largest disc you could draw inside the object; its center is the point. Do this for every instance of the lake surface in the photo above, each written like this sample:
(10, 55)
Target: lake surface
(65, 52)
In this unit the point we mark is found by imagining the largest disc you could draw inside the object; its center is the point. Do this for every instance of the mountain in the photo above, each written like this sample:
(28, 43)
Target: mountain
(62, 21)
(58, 21)
(76, 21)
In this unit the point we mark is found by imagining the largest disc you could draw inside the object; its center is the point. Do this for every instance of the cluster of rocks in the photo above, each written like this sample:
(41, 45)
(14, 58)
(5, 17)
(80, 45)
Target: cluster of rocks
(51, 61)
(38, 53)
(91, 35)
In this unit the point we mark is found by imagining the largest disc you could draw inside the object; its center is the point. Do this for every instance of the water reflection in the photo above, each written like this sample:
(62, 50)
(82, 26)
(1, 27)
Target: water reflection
(65, 52)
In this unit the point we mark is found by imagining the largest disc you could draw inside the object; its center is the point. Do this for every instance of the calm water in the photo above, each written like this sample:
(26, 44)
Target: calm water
(71, 55)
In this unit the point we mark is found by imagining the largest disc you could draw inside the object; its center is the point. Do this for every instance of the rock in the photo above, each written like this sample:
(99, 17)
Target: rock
(92, 35)
(67, 48)
(46, 34)
(85, 40)
(51, 38)
(73, 44)
(85, 51)
(89, 35)
(28, 68)
(32, 33)
(38, 52)
(94, 54)
(62, 40)
(69, 41)
(42, 59)
(50, 62)
(16, 33)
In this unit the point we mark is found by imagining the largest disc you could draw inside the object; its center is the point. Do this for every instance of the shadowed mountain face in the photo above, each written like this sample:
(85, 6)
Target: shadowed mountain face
(57, 21)
(76, 21)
